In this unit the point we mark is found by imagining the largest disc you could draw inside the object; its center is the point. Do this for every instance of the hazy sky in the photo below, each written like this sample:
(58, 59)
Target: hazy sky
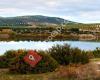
(75, 10)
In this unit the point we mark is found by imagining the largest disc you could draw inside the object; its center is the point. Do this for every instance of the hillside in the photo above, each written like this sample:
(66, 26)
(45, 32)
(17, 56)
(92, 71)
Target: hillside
(32, 20)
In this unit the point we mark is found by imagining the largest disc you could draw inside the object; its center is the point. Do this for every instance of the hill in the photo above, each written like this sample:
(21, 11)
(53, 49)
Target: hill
(32, 20)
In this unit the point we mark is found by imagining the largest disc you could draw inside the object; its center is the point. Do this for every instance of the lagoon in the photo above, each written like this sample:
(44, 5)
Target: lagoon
(42, 45)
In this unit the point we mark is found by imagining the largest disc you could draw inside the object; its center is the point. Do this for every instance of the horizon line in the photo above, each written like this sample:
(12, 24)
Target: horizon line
(49, 16)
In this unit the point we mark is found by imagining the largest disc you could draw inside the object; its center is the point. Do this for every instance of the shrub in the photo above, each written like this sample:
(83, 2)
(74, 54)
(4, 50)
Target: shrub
(3, 62)
(61, 53)
(90, 54)
(8, 56)
(96, 53)
(47, 64)
(13, 53)
(65, 55)
(79, 56)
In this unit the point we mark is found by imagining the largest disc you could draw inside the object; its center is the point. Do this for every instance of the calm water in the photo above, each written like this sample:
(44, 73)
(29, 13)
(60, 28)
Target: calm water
(4, 46)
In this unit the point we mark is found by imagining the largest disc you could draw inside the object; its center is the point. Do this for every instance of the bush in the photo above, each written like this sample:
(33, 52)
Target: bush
(96, 53)
(60, 52)
(13, 53)
(47, 64)
(8, 56)
(79, 56)
(5, 59)
(65, 55)
(3, 62)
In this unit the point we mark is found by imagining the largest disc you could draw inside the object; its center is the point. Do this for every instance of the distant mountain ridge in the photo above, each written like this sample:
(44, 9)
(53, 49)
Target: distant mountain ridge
(29, 20)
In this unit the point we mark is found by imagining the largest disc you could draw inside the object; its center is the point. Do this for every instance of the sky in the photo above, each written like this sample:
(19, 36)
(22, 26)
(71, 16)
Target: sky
(84, 11)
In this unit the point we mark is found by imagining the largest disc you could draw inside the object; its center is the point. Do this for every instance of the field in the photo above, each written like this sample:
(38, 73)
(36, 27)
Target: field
(71, 72)
(6, 76)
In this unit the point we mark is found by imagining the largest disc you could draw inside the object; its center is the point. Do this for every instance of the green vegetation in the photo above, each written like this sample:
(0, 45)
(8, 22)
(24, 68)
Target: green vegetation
(63, 54)
(30, 20)
(40, 28)
(96, 53)
(14, 61)
(66, 55)
(3, 62)
(6, 59)
(47, 64)
(43, 31)
(60, 62)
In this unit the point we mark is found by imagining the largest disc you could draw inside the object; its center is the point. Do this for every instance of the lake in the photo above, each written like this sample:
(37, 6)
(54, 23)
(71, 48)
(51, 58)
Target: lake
(4, 46)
